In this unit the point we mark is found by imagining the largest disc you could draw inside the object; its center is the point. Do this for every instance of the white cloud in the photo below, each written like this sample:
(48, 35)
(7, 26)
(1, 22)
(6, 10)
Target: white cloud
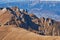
(49, 0)
(34, 3)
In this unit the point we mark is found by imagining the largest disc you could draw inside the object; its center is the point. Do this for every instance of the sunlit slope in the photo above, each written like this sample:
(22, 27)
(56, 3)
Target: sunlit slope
(5, 17)
(13, 33)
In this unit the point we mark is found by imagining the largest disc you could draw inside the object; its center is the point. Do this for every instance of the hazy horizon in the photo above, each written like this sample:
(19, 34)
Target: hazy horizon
(41, 8)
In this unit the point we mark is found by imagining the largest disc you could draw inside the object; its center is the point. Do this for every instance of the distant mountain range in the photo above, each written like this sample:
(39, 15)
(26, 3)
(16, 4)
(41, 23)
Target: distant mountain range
(40, 9)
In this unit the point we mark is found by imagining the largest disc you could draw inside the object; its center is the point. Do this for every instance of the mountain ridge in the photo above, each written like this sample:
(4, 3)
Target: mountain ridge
(30, 22)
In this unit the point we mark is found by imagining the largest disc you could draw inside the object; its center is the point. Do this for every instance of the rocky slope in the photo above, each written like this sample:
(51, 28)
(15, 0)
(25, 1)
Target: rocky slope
(21, 18)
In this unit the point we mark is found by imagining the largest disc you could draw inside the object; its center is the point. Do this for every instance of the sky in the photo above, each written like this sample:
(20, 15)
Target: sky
(41, 8)
(25, 0)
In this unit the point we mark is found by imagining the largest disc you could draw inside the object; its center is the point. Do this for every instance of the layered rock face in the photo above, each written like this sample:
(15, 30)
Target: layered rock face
(21, 18)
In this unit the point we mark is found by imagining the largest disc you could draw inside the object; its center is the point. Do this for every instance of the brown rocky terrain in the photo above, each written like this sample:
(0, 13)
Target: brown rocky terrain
(16, 24)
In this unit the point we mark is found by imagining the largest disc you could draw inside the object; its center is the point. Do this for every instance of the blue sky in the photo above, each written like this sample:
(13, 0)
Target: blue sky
(40, 8)
(25, 0)
(14, 0)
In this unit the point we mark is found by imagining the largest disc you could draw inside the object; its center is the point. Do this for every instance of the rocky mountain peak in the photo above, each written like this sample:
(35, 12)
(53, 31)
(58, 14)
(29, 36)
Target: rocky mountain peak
(21, 18)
